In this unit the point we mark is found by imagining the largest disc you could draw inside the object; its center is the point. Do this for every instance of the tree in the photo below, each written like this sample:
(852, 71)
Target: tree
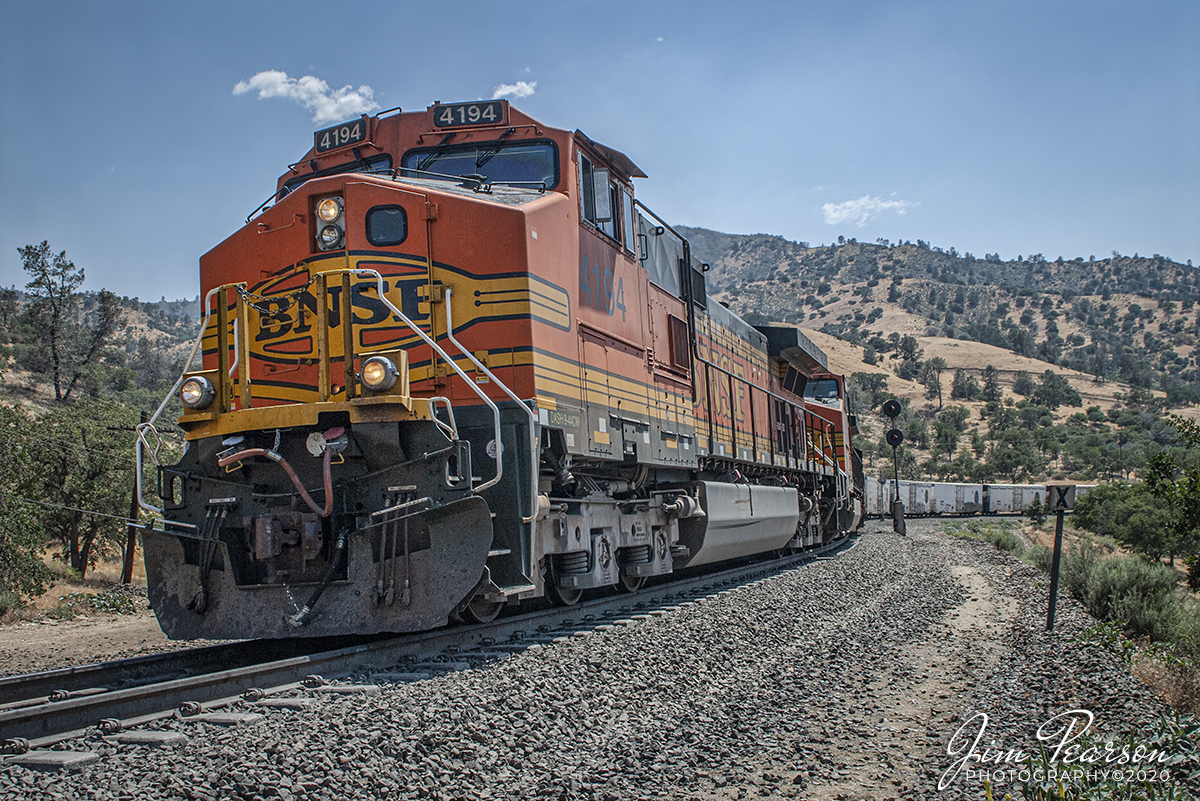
(964, 386)
(22, 572)
(1036, 512)
(1055, 391)
(869, 390)
(82, 470)
(991, 384)
(1179, 488)
(916, 432)
(947, 427)
(1023, 384)
(1129, 513)
(909, 348)
(71, 346)
(931, 377)
(8, 305)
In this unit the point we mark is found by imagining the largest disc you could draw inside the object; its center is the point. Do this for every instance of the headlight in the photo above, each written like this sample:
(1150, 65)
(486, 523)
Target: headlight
(197, 392)
(379, 374)
(330, 209)
(330, 236)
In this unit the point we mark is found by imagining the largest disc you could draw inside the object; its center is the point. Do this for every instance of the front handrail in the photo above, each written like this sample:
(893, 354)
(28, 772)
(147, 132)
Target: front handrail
(142, 428)
(533, 440)
(445, 357)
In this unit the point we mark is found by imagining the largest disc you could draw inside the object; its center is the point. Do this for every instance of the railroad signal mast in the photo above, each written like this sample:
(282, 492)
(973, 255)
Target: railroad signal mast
(894, 437)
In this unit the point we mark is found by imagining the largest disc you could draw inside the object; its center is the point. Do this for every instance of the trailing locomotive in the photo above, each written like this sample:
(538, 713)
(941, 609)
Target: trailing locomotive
(453, 364)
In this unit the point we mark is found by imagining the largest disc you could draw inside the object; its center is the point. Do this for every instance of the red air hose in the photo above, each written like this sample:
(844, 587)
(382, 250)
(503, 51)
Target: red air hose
(275, 457)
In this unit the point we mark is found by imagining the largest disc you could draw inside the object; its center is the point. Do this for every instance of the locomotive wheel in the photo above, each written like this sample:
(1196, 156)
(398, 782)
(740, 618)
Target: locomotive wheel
(631, 583)
(481, 611)
(562, 596)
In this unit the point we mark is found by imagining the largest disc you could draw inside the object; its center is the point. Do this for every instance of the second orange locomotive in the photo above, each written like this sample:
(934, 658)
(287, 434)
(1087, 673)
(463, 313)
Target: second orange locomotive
(456, 365)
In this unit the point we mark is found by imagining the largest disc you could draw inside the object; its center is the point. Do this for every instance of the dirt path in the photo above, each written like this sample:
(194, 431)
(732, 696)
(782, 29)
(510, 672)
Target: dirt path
(28, 647)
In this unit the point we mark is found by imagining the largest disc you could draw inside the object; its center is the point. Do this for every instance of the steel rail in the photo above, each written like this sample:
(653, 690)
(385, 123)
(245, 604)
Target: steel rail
(27, 688)
(55, 721)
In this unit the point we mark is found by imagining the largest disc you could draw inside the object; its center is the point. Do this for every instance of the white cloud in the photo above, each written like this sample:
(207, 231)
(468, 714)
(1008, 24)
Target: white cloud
(312, 93)
(515, 90)
(861, 210)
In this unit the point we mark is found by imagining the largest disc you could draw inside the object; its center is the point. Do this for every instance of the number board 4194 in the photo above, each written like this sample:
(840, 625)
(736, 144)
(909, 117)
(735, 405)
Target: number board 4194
(349, 133)
(484, 112)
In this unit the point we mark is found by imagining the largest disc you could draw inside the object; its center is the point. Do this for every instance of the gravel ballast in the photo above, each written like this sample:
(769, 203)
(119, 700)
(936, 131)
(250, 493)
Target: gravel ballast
(841, 679)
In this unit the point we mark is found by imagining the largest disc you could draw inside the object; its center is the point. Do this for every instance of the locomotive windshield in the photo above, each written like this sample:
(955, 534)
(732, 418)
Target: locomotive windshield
(822, 389)
(501, 162)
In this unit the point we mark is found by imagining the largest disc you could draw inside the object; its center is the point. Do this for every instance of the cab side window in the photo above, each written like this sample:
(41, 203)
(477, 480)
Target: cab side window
(601, 201)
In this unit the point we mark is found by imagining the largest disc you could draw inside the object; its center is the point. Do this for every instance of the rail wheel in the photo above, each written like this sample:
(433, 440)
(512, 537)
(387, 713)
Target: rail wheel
(631, 583)
(562, 596)
(559, 596)
(481, 610)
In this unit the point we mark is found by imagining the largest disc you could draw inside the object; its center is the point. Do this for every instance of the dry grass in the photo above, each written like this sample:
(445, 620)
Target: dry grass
(1176, 682)
(103, 576)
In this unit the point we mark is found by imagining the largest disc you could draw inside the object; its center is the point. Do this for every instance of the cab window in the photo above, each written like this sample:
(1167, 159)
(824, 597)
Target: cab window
(627, 218)
(523, 163)
(822, 389)
(601, 201)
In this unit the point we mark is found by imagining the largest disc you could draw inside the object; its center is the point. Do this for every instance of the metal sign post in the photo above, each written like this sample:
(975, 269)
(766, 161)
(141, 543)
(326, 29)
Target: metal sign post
(1059, 498)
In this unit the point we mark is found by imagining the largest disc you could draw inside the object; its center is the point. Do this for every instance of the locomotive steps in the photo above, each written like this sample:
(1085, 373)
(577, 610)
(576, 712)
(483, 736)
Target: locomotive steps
(845, 677)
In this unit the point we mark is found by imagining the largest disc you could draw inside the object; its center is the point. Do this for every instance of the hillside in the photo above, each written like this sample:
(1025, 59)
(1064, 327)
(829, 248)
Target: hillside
(1132, 319)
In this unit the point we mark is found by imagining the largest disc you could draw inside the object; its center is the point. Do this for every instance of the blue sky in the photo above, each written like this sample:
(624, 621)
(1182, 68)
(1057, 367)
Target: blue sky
(1061, 128)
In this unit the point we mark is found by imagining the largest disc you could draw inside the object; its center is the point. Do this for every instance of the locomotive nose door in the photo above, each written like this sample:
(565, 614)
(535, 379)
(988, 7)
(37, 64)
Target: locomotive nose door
(390, 234)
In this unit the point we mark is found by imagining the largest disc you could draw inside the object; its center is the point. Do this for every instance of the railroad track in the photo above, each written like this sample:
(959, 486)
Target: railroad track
(40, 709)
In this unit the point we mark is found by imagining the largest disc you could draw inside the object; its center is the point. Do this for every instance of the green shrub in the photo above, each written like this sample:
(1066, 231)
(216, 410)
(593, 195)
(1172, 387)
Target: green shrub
(1138, 592)
(9, 601)
(1036, 513)
(1187, 629)
(1001, 535)
(1128, 513)
(1006, 540)
(1039, 556)
(1076, 566)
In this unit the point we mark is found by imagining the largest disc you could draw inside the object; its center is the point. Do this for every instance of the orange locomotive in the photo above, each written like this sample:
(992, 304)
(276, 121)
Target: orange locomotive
(456, 365)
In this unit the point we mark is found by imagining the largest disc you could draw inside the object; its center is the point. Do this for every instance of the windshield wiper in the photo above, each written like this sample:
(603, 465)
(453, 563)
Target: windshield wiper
(437, 151)
(487, 155)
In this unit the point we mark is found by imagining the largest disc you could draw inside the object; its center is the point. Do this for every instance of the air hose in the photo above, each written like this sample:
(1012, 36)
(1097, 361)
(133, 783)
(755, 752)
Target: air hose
(303, 617)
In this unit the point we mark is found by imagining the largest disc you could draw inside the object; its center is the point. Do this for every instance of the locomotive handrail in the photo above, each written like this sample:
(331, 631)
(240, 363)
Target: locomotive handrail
(638, 204)
(142, 428)
(533, 442)
(452, 426)
(453, 365)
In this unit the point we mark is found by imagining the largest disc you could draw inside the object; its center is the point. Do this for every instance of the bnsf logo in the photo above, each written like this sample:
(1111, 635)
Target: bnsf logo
(294, 315)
